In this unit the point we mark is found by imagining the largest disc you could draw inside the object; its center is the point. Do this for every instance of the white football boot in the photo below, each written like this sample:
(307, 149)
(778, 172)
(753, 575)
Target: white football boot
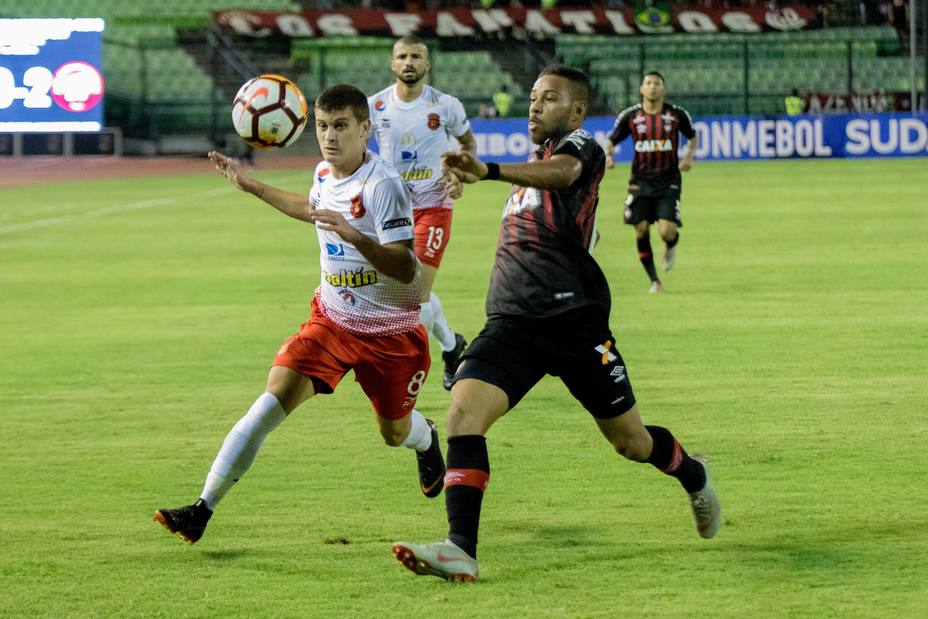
(707, 511)
(443, 559)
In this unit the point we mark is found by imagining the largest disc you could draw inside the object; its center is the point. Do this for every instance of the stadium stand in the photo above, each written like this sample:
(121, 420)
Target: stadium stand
(715, 73)
(159, 55)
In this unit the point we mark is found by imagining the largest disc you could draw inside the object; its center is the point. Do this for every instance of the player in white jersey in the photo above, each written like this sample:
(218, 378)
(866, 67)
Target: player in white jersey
(414, 124)
(365, 312)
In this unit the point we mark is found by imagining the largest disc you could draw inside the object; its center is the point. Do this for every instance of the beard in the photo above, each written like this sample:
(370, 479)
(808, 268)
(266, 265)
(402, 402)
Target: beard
(410, 79)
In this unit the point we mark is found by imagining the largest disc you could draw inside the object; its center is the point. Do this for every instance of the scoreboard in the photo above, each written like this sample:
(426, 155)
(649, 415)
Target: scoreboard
(50, 75)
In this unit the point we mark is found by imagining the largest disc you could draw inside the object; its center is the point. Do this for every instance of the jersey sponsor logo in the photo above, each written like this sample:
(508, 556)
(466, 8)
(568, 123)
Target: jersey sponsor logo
(333, 250)
(561, 296)
(653, 146)
(409, 155)
(417, 174)
(380, 105)
(401, 222)
(323, 174)
(408, 139)
(434, 121)
(357, 207)
(522, 198)
(351, 279)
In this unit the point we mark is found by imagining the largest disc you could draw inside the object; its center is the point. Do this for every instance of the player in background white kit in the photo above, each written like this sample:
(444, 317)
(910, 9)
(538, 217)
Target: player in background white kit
(365, 312)
(414, 124)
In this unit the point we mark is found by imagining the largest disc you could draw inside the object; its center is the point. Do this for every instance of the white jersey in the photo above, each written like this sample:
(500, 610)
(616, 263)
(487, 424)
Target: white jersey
(353, 294)
(413, 135)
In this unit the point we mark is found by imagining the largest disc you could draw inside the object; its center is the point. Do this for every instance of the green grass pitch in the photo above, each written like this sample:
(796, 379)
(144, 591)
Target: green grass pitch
(138, 318)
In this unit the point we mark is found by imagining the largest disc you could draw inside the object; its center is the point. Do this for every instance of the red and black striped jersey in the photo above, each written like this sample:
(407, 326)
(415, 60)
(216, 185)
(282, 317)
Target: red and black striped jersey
(656, 139)
(543, 265)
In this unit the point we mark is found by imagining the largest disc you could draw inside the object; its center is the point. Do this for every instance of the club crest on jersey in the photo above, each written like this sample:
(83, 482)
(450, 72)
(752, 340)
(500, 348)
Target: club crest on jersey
(357, 209)
(323, 175)
(380, 105)
(639, 118)
(434, 121)
(642, 128)
(347, 296)
(653, 146)
(667, 117)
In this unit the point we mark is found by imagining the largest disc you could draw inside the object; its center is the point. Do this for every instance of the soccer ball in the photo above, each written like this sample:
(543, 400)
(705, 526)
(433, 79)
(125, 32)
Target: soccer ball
(269, 110)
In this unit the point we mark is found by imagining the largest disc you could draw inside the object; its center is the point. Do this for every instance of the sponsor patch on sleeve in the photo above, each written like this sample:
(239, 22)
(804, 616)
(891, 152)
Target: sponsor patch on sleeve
(390, 224)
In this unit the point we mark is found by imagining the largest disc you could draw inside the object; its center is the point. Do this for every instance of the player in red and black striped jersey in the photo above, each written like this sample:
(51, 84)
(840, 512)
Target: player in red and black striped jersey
(547, 314)
(655, 127)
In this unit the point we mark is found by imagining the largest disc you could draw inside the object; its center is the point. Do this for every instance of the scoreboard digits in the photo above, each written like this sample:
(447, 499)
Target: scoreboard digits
(50, 77)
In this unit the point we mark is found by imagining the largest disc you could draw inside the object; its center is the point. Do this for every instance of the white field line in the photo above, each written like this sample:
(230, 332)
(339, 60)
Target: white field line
(122, 208)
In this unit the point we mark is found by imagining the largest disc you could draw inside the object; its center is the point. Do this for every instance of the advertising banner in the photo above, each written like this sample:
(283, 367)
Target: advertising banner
(539, 24)
(50, 75)
(744, 137)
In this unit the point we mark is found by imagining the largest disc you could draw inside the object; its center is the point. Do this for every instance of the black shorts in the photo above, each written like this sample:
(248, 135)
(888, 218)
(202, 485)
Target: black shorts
(515, 353)
(653, 205)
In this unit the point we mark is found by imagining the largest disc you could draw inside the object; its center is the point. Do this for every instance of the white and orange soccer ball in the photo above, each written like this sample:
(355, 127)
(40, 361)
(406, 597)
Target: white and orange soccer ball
(269, 111)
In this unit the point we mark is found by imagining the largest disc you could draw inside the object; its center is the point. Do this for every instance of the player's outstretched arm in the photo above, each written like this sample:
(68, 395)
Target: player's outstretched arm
(395, 260)
(558, 172)
(295, 205)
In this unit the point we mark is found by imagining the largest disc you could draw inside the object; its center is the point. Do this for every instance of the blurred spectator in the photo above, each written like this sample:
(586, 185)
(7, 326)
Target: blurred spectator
(502, 101)
(870, 13)
(793, 103)
(899, 18)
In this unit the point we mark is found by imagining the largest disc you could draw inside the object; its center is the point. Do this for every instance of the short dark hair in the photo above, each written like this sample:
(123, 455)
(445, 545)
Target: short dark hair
(410, 39)
(343, 96)
(580, 81)
(656, 74)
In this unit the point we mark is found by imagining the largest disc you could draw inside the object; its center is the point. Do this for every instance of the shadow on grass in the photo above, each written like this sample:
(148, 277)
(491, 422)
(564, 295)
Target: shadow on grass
(225, 555)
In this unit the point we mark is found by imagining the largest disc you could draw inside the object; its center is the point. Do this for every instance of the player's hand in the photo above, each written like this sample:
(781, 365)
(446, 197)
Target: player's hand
(610, 162)
(453, 184)
(685, 165)
(464, 165)
(332, 221)
(231, 169)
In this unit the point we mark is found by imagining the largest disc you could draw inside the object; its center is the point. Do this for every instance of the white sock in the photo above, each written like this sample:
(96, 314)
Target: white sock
(425, 315)
(240, 447)
(440, 329)
(420, 434)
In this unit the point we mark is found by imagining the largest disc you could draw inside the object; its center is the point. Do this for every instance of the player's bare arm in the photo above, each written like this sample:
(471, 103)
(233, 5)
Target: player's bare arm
(609, 148)
(295, 205)
(395, 260)
(467, 142)
(558, 172)
(687, 162)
